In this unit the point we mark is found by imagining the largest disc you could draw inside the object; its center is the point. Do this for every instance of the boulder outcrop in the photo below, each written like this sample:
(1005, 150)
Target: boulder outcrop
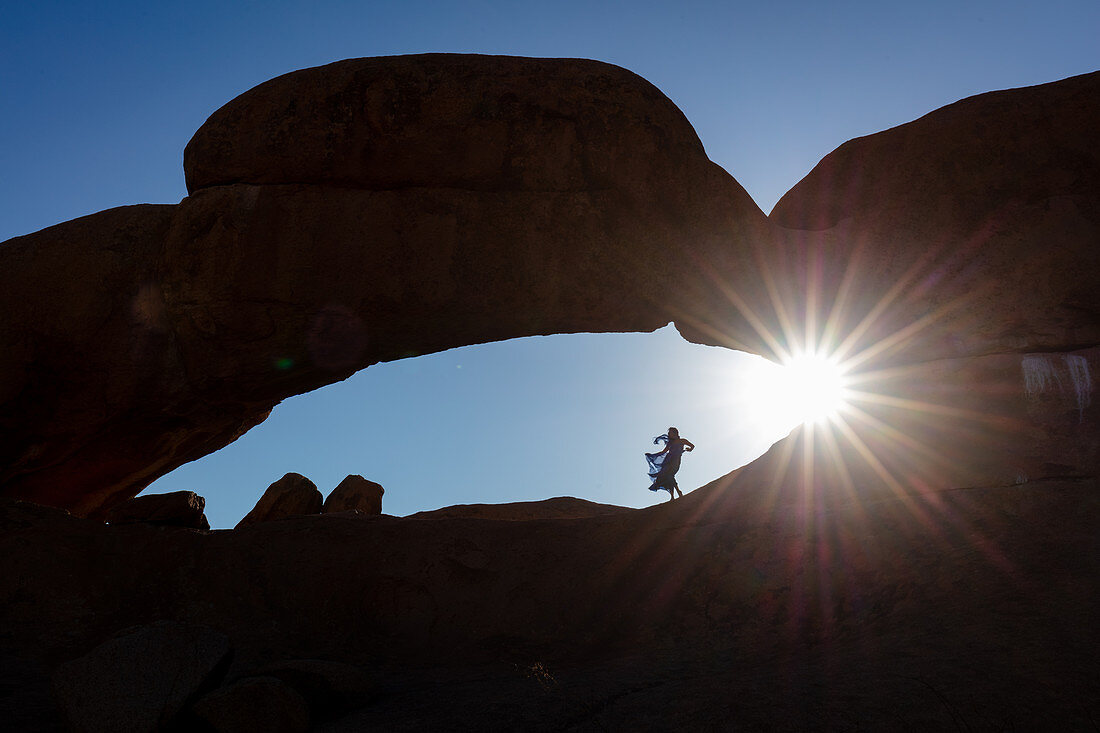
(664, 614)
(364, 211)
(951, 264)
(254, 705)
(174, 509)
(969, 231)
(142, 679)
(290, 496)
(355, 493)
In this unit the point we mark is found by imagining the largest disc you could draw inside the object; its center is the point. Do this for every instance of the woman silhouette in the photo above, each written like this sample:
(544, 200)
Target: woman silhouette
(664, 465)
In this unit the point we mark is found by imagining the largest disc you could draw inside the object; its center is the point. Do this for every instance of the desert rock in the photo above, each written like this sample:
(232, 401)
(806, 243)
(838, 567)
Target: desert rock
(174, 509)
(355, 493)
(290, 496)
(140, 680)
(254, 705)
(967, 232)
(365, 211)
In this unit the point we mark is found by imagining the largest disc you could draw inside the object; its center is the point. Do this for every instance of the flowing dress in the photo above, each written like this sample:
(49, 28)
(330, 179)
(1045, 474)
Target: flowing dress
(663, 466)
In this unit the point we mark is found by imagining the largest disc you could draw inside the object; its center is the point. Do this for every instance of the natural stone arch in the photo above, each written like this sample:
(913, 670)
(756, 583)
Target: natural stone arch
(380, 208)
(365, 211)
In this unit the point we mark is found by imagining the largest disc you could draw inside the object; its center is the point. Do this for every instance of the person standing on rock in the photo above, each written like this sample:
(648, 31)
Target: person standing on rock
(664, 465)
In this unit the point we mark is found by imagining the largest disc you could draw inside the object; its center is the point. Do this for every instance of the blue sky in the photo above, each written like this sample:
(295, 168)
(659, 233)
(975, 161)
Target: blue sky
(99, 100)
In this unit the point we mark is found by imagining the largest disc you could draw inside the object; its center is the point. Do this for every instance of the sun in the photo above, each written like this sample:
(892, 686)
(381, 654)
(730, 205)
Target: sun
(806, 388)
(813, 388)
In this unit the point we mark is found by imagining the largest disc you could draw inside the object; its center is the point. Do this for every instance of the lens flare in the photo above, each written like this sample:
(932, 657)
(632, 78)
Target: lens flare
(813, 388)
(807, 388)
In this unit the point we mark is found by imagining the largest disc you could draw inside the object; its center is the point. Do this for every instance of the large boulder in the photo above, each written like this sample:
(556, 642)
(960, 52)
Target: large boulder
(355, 493)
(290, 496)
(174, 509)
(329, 688)
(969, 231)
(142, 679)
(951, 264)
(254, 705)
(363, 211)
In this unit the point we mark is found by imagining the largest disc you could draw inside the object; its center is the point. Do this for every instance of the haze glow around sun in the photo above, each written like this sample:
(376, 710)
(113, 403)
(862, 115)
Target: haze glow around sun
(807, 388)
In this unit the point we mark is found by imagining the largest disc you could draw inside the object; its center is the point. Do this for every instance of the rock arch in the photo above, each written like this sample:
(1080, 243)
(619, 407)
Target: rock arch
(375, 209)
(364, 211)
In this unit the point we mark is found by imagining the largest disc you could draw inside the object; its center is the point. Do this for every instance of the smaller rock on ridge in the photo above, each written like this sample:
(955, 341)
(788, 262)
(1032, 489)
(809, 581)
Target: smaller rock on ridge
(290, 496)
(355, 493)
(174, 509)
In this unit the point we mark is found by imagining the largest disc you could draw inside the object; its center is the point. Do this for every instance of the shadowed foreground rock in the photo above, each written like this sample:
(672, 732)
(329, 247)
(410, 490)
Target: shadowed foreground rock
(141, 679)
(254, 705)
(939, 610)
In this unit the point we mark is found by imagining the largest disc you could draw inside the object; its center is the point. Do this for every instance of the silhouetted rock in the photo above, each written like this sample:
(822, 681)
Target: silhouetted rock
(723, 593)
(141, 679)
(174, 509)
(330, 688)
(478, 123)
(928, 561)
(254, 705)
(560, 507)
(364, 211)
(969, 231)
(355, 493)
(290, 496)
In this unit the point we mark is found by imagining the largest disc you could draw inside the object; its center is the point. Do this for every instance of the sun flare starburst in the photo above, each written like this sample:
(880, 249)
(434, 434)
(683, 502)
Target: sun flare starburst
(806, 388)
(812, 387)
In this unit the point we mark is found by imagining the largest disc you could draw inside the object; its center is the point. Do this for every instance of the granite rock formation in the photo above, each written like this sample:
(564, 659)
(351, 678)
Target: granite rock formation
(931, 562)
(560, 507)
(364, 211)
(951, 264)
(972, 229)
(290, 496)
(143, 678)
(355, 493)
(969, 611)
(174, 509)
(254, 705)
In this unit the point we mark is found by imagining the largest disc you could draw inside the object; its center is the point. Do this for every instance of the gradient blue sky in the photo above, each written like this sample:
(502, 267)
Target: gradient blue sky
(99, 100)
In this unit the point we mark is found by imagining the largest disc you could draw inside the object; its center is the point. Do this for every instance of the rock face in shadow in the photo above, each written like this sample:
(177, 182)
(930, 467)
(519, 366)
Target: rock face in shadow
(969, 231)
(368, 210)
(951, 264)
(665, 614)
(94, 398)
(141, 679)
(930, 561)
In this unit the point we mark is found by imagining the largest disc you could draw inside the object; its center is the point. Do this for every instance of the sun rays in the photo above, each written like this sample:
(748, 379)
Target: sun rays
(847, 338)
